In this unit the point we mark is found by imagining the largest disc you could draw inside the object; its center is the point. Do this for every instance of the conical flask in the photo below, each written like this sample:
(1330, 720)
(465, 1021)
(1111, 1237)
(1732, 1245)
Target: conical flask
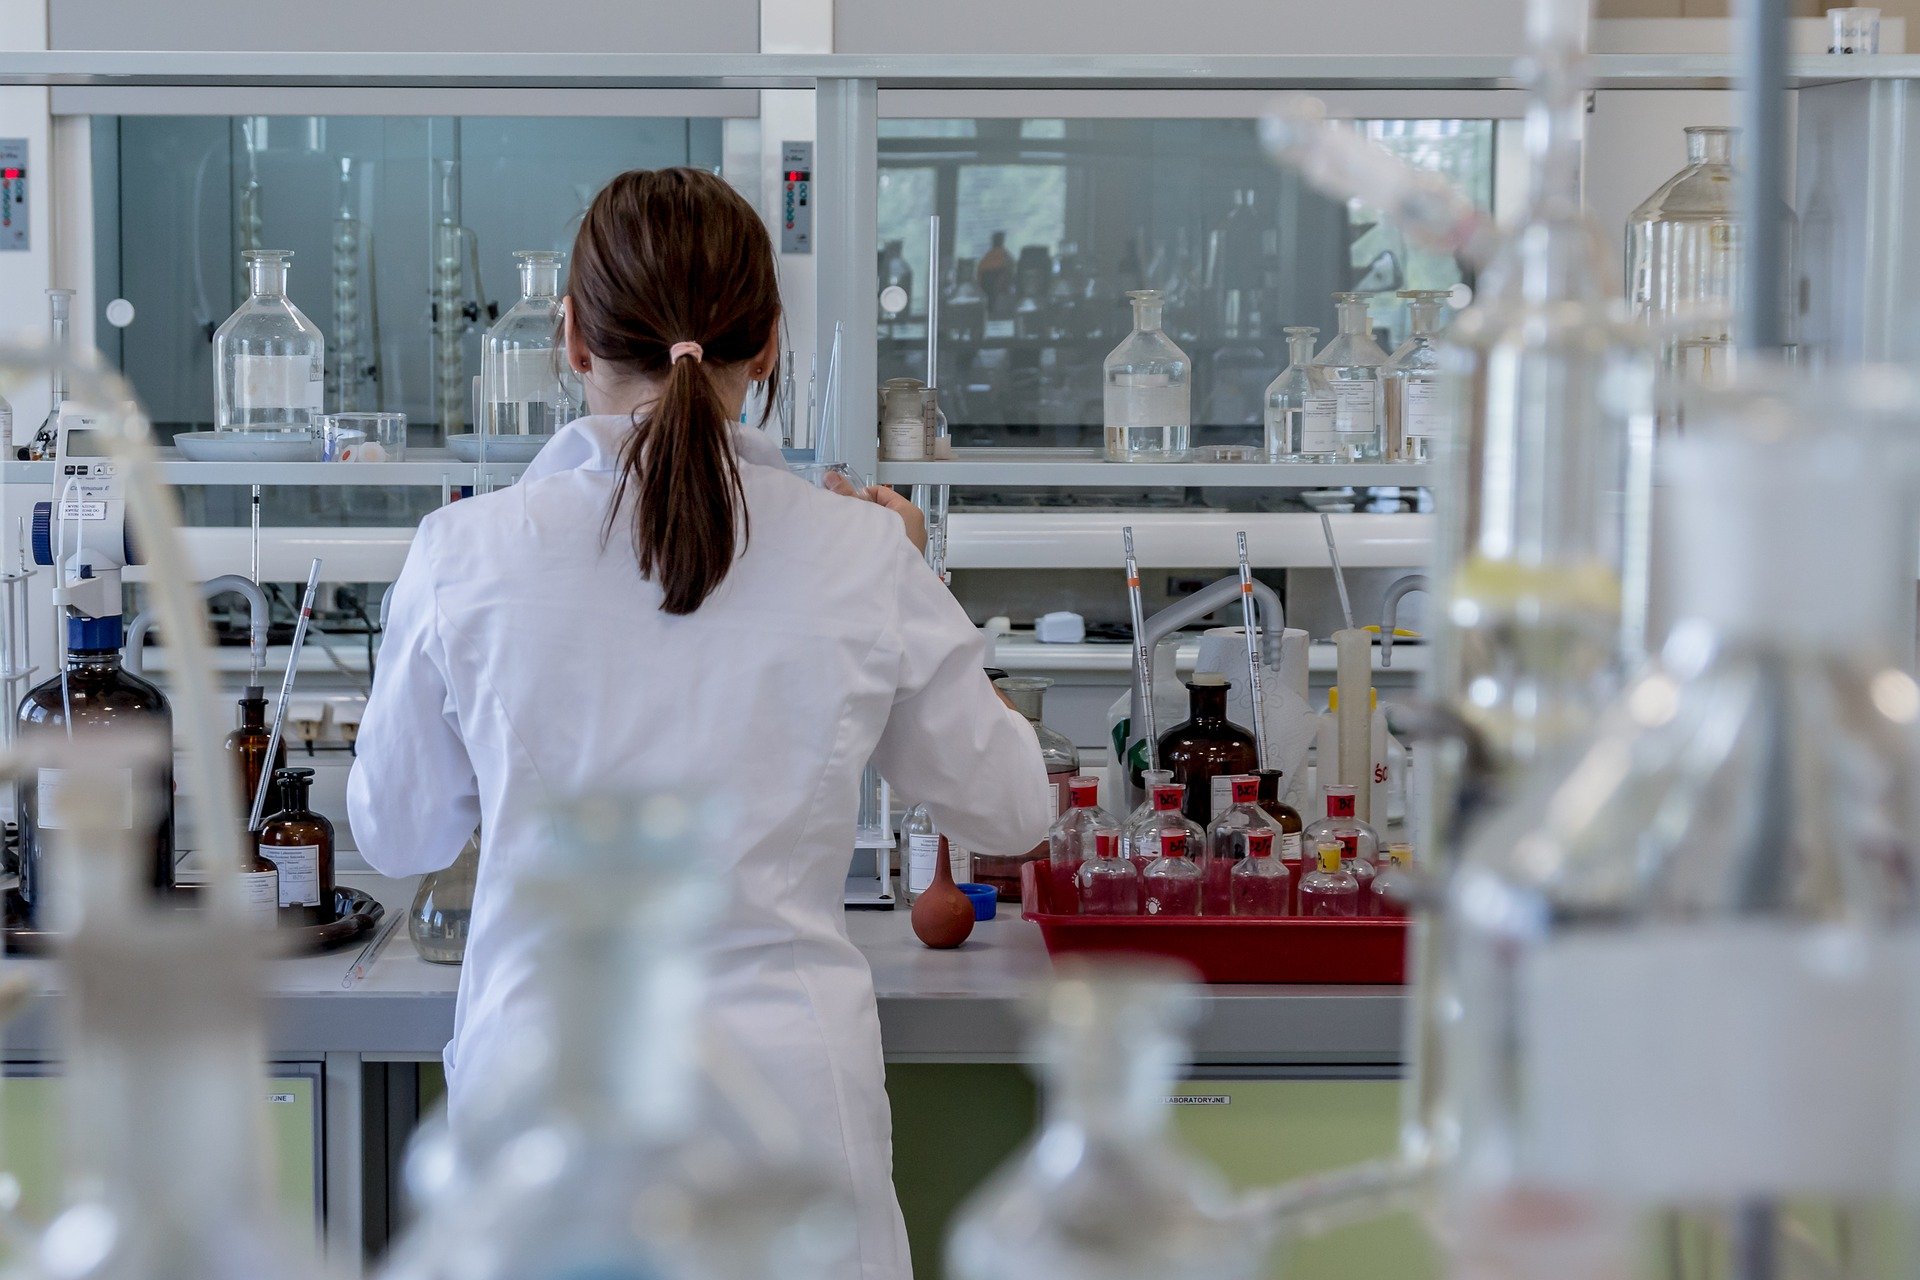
(442, 910)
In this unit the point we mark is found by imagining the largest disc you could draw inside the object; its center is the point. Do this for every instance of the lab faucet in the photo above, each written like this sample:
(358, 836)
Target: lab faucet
(1390, 610)
(258, 620)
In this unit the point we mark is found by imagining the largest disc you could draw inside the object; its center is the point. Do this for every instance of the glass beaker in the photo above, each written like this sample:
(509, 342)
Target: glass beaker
(363, 437)
(1418, 409)
(1351, 364)
(442, 910)
(1062, 759)
(1300, 405)
(1149, 390)
(269, 360)
(520, 363)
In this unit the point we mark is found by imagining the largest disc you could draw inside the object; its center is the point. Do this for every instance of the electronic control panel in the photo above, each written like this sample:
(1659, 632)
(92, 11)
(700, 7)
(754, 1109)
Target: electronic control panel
(796, 197)
(13, 195)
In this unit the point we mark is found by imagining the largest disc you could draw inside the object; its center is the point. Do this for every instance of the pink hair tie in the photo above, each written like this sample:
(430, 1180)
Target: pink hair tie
(684, 349)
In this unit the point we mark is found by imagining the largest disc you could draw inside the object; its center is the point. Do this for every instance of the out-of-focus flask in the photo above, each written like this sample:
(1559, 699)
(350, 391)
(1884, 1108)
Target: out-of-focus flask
(1724, 872)
(520, 370)
(442, 911)
(1419, 403)
(1351, 364)
(598, 1152)
(1300, 405)
(1227, 841)
(1359, 843)
(1395, 887)
(1149, 390)
(1171, 884)
(1260, 884)
(1206, 751)
(1108, 884)
(299, 843)
(1102, 1190)
(1072, 840)
(269, 360)
(1062, 759)
(1330, 889)
(1146, 832)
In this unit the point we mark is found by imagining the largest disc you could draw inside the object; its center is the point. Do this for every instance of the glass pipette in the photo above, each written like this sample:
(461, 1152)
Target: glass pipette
(1142, 660)
(286, 692)
(1253, 653)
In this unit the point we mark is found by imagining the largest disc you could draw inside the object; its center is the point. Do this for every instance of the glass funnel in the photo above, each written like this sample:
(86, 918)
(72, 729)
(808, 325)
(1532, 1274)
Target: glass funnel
(442, 911)
(600, 1150)
(1300, 405)
(1722, 884)
(1101, 1192)
(1416, 395)
(1149, 390)
(269, 359)
(1351, 364)
(520, 371)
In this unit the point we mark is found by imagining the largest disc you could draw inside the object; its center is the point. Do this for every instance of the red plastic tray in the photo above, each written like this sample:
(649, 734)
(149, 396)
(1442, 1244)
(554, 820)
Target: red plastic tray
(1228, 949)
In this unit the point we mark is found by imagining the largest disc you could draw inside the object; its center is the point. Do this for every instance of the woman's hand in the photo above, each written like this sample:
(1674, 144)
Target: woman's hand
(911, 516)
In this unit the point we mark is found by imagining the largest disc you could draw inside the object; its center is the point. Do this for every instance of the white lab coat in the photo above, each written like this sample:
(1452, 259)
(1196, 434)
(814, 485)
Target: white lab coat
(523, 660)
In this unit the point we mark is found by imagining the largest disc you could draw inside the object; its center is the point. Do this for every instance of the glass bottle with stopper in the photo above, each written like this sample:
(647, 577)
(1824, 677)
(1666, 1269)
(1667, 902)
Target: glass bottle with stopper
(269, 360)
(1207, 750)
(1071, 842)
(521, 373)
(1108, 884)
(1330, 889)
(1228, 842)
(1171, 884)
(1260, 884)
(1300, 405)
(299, 843)
(1358, 843)
(1146, 832)
(1351, 364)
(1149, 392)
(1416, 395)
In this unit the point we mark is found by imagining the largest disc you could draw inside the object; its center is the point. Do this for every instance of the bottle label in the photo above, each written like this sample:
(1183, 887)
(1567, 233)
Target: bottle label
(1290, 845)
(1222, 793)
(959, 863)
(299, 867)
(1317, 430)
(58, 790)
(1349, 844)
(260, 893)
(923, 861)
(903, 440)
(277, 382)
(1357, 402)
(1426, 410)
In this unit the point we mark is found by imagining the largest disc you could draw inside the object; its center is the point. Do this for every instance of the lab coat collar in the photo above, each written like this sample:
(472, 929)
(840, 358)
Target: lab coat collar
(593, 443)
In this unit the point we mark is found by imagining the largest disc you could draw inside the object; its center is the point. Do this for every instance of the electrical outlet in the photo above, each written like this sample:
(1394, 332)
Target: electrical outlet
(1178, 587)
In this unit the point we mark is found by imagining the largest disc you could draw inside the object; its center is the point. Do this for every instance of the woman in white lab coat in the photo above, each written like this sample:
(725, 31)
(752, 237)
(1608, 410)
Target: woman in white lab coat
(659, 603)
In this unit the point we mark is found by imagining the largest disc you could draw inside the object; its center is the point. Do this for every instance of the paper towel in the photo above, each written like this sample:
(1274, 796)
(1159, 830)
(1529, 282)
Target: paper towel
(1290, 721)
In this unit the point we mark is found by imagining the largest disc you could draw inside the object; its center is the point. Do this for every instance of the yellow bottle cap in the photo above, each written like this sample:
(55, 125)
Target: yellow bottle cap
(1329, 857)
(1400, 854)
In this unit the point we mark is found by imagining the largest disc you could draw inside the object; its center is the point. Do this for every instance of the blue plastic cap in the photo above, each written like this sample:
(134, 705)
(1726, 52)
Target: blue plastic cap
(985, 899)
(95, 635)
(43, 533)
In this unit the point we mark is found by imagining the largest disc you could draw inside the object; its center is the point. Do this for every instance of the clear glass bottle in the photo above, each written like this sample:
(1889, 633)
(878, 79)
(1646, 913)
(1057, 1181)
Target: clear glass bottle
(1330, 889)
(1300, 405)
(442, 910)
(1351, 364)
(638, 1175)
(923, 846)
(1227, 841)
(1260, 884)
(1683, 259)
(1416, 396)
(1072, 840)
(1062, 759)
(1103, 1190)
(1149, 390)
(1108, 884)
(1396, 887)
(1171, 884)
(299, 843)
(1150, 780)
(1359, 843)
(269, 360)
(520, 370)
(1146, 831)
(1206, 751)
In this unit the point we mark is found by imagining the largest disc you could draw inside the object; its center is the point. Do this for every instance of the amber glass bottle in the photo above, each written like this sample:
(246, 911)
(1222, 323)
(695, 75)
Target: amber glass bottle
(101, 695)
(248, 745)
(1288, 823)
(299, 843)
(1205, 747)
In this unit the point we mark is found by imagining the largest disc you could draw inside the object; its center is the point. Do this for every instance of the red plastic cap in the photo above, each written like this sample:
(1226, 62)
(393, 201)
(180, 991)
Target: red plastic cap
(1341, 801)
(1246, 790)
(1168, 798)
(1085, 792)
(1103, 842)
(1259, 844)
(1173, 844)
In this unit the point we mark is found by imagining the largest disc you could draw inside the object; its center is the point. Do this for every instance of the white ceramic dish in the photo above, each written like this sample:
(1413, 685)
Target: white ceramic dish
(507, 449)
(248, 446)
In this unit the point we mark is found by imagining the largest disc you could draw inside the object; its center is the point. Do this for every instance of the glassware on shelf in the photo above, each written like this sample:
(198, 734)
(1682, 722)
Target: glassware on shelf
(1171, 884)
(363, 437)
(1228, 841)
(248, 744)
(343, 352)
(1062, 759)
(299, 843)
(1351, 364)
(1206, 751)
(269, 360)
(1359, 843)
(909, 416)
(1300, 405)
(1146, 832)
(1396, 886)
(442, 910)
(1683, 260)
(521, 374)
(450, 315)
(1107, 884)
(1103, 1190)
(1149, 390)
(1419, 411)
(1260, 884)
(1071, 841)
(1330, 889)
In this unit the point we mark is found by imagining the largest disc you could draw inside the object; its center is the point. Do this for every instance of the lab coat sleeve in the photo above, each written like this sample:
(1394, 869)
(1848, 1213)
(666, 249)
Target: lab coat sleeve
(412, 797)
(949, 742)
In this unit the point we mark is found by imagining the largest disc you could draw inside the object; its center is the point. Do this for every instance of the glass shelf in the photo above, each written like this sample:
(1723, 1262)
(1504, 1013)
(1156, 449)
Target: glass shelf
(1085, 468)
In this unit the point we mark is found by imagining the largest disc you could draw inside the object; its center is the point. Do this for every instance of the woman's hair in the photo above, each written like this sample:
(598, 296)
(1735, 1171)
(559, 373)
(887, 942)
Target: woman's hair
(668, 257)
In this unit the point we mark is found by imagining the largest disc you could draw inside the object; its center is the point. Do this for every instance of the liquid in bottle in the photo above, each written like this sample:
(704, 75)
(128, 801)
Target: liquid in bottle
(1108, 884)
(1227, 842)
(1330, 890)
(1170, 886)
(1359, 845)
(1259, 884)
(1070, 842)
(1394, 888)
(299, 843)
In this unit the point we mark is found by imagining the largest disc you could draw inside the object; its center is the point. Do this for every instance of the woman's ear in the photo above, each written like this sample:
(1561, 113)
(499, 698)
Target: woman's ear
(579, 359)
(767, 359)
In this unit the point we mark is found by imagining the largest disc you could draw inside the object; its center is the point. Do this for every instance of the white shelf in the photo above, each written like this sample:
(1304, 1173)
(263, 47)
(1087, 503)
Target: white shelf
(424, 468)
(1083, 468)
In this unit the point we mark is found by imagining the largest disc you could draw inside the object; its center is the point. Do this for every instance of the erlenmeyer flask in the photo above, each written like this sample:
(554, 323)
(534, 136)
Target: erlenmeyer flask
(442, 910)
(1102, 1192)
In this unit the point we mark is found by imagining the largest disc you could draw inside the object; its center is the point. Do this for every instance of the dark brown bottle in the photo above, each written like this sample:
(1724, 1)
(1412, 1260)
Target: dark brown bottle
(1205, 747)
(1286, 844)
(102, 695)
(299, 843)
(248, 746)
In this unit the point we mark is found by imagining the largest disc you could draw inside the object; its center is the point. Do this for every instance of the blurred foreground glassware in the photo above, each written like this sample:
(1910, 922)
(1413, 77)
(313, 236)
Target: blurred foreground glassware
(442, 910)
(269, 360)
(1101, 1192)
(1149, 390)
(599, 1152)
(1418, 401)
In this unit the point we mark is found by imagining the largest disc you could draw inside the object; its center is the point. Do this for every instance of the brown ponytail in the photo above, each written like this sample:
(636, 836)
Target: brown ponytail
(667, 257)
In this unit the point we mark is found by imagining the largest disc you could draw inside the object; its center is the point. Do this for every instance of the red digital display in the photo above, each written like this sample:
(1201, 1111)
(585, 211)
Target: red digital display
(9, 174)
(793, 176)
